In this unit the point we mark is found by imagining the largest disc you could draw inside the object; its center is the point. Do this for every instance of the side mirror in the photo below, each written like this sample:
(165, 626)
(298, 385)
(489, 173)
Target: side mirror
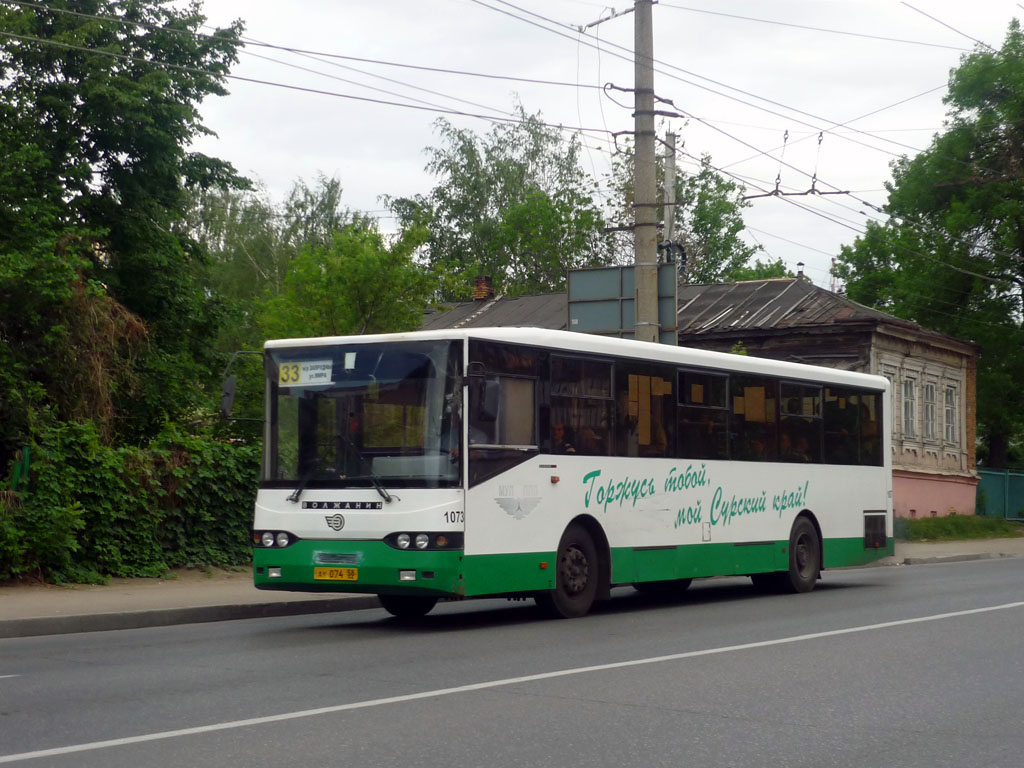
(227, 396)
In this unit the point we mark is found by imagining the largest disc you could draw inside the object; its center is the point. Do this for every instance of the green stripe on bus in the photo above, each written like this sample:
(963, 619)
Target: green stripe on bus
(452, 574)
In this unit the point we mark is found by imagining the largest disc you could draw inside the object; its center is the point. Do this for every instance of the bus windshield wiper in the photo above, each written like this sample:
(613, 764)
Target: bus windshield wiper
(375, 482)
(369, 475)
(303, 482)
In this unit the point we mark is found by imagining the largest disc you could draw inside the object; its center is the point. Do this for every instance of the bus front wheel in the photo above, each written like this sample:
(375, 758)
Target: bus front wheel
(407, 606)
(576, 575)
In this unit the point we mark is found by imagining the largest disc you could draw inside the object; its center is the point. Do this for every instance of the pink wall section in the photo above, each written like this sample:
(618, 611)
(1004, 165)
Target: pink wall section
(920, 495)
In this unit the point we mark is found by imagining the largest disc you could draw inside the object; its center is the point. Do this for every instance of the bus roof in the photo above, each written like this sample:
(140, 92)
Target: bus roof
(585, 343)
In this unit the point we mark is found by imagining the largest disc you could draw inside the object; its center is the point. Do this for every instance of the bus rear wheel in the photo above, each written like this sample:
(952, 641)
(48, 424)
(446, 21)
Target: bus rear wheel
(576, 576)
(804, 557)
(407, 606)
(804, 562)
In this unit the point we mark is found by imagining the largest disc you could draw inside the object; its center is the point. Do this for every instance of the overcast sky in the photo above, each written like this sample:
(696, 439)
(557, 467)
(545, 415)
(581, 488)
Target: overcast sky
(743, 83)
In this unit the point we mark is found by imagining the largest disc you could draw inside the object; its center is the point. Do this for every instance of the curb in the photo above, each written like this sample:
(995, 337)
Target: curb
(955, 558)
(104, 622)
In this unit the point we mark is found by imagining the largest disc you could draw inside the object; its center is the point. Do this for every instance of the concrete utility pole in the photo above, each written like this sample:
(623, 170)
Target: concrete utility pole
(645, 219)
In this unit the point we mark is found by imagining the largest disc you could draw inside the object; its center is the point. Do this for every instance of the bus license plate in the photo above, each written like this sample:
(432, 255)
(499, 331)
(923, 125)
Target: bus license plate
(336, 574)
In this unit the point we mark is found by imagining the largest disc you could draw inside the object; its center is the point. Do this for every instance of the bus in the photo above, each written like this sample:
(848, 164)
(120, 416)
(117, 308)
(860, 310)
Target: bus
(520, 462)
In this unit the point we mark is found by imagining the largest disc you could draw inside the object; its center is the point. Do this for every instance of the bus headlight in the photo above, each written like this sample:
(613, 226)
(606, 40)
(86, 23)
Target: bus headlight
(425, 541)
(273, 539)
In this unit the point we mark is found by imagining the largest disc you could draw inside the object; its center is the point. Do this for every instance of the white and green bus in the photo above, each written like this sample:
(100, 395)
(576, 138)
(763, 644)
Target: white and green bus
(512, 462)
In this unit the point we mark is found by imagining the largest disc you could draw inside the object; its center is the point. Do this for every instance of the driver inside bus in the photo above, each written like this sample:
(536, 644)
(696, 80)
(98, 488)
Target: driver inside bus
(560, 441)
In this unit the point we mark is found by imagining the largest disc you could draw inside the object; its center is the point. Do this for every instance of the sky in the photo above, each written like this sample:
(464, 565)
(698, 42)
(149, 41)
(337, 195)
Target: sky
(758, 83)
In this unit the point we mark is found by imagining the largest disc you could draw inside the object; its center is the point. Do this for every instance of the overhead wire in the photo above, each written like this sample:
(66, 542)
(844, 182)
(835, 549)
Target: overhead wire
(770, 101)
(853, 120)
(305, 51)
(321, 56)
(761, 152)
(947, 26)
(692, 74)
(330, 93)
(813, 29)
(849, 225)
(286, 86)
(373, 88)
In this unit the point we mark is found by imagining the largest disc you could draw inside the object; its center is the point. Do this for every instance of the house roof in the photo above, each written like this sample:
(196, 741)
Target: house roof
(783, 303)
(704, 310)
(544, 311)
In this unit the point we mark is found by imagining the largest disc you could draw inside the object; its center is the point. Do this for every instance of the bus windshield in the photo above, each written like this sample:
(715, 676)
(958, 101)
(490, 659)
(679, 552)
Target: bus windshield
(363, 415)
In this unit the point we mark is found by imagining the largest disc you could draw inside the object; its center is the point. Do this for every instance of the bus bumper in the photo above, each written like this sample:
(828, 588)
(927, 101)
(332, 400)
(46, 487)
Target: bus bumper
(353, 566)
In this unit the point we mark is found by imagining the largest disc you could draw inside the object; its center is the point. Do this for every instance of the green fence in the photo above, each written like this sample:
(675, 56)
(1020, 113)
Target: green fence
(1001, 493)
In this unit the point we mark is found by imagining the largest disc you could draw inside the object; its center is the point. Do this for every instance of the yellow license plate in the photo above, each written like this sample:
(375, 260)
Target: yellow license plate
(336, 574)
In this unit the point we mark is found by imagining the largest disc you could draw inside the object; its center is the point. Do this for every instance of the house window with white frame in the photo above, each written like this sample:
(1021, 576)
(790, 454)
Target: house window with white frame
(950, 420)
(928, 412)
(909, 407)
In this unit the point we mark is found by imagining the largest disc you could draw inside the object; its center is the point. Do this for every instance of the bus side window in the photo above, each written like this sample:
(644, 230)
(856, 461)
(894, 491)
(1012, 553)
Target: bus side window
(490, 398)
(581, 392)
(870, 409)
(703, 416)
(498, 405)
(801, 429)
(644, 411)
(753, 420)
(842, 425)
(853, 427)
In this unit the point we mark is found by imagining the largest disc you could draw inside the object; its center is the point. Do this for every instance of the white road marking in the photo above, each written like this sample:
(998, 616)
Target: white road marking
(4, 677)
(491, 684)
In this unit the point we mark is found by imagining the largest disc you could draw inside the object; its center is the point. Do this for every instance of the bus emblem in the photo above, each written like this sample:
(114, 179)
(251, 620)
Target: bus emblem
(518, 507)
(336, 522)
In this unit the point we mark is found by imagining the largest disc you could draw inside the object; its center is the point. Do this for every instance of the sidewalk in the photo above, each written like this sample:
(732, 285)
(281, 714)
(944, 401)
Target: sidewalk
(218, 595)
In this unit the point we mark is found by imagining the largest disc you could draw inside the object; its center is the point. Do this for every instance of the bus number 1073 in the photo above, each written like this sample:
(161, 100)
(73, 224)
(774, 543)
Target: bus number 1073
(455, 517)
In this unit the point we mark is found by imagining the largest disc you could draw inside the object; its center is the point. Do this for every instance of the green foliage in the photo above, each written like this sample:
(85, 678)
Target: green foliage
(356, 284)
(251, 243)
(103, 309)
(107, 313)
(95, 175)
(760, 270)
(955, 528)
(93, 511)
(708, 221)
(951, 255)
(513, 204)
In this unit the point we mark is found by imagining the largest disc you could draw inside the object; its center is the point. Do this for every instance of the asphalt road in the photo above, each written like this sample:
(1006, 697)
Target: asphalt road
(912, 666)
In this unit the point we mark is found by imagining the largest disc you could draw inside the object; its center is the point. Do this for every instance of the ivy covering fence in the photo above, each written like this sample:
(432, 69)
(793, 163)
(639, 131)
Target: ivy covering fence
(90, 510)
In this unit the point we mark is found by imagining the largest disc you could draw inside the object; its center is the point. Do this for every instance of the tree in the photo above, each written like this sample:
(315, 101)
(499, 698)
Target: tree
(760, 270)
(355, 284)
(513, 204)
(951, 254)
(96, 117)
(708, 220)
(251, 243)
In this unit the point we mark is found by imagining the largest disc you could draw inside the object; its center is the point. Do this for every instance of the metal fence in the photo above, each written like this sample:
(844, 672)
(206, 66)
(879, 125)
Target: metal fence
(1001, 493)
